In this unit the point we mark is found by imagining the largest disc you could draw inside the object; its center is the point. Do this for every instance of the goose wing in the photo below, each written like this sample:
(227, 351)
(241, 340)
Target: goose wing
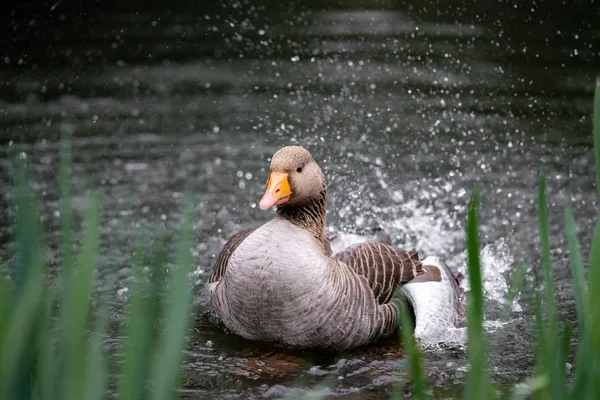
(384, 266)
(220, 265)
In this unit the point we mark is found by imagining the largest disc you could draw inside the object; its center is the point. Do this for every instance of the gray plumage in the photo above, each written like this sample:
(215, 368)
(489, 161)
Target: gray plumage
(438, 305)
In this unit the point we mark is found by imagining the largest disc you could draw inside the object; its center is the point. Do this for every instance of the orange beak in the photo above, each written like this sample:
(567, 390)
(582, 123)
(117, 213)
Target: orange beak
(278, 191)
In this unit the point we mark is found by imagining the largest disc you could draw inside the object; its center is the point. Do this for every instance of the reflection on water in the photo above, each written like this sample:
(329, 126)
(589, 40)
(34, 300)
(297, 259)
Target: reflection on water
(406, 109)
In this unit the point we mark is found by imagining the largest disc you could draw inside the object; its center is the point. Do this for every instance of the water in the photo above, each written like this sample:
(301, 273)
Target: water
(407, 107)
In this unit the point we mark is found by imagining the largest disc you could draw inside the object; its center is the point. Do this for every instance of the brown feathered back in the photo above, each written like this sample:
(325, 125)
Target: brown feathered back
(385, 267)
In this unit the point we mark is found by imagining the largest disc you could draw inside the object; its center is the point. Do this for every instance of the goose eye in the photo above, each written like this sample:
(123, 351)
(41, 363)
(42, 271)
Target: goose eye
(299, 169)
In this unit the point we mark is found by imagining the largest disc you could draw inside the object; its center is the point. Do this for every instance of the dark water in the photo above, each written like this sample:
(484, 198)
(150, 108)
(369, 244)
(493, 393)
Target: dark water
(407, 107)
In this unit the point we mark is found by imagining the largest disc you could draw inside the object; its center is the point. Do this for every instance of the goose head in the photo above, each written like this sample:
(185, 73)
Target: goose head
(295, 179)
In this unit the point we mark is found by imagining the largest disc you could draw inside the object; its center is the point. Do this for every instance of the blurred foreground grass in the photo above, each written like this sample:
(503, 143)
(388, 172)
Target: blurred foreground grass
(52, 343)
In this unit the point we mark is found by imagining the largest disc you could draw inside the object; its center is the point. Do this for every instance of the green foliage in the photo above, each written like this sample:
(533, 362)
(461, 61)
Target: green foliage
(478, 382)
(51, 340)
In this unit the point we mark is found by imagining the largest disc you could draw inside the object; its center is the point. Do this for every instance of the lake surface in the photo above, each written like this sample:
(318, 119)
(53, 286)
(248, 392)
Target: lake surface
(407, 108)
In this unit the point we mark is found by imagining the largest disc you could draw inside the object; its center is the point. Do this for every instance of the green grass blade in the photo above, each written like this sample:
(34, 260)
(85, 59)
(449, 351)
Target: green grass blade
(96, 379)
(65, 245)
(545, 242)
(158, 277)
(584, 369)
(594, 290)
(6, 306)
(478, 382)
(27, 231)
(585, 362)
(541, 348)
(95, 384)
(597, 134)
(593, 332)
(581, 294)
(66, 211)
(6, 303)
(47, 375)
(594, 262)
(77, 298)
(565, 341)
(138, 349)
(420, 386)
(552, 349)
(166, 366)
(17, 363)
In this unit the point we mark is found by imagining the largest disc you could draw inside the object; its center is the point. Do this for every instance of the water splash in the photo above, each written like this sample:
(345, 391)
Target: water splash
(497, 261)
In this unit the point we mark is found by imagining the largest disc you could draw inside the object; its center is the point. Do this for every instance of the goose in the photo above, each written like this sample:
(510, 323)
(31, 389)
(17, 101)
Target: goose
(282, 282)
